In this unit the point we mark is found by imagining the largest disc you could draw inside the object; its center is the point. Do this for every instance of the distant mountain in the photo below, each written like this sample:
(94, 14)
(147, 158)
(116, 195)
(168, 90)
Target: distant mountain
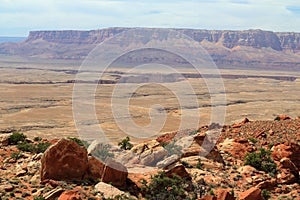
(11, 39)
(250, 48)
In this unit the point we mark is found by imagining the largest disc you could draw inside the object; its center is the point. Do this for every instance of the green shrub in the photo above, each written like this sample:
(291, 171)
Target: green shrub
(186, 164)
(253, 140)
(125, 144)
(79, 142)
(103, 152)
(164, 187)
(25, 194)
(25, 146)
(36, 148)
(15, 138)
(16, 155)
(172, 148)
(37, 139)
(261, 161)
(39, 198)
(199, 164)
(265, 194)
(41, 147)
(194, 132)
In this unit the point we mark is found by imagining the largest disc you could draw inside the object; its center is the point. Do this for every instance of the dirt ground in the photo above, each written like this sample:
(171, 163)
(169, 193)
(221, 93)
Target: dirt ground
(37, 100)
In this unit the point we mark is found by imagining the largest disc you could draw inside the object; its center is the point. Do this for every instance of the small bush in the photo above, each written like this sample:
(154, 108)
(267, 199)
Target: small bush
(79, 142)
(253, 140)
(37, 139)
(186, 164)
(42, 147)
(16, 138)
(199, 164)
(39, 198)
(194, 132)
(261, 161)
(125, 144)
(16, 155)
(25, 146)
(36, 148)
(265, 194)
(103, 152)
(164, 187)
(25, 194)
(172, 148)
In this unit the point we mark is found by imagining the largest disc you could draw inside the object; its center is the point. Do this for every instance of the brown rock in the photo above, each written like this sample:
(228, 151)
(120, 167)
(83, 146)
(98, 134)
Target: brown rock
(291, 151)
(289, 173)
(108, 191)
(238, 148)
(65, 160)
(95, 168)
(195, 149)
(114, 173)
(268, 184)
(209, 197)
(71, 195)
(166, 138)
(7, 188)
(4, 139)
(179, 170)
(251, 194)
(223, 194)
(282, 117)
(137, 178)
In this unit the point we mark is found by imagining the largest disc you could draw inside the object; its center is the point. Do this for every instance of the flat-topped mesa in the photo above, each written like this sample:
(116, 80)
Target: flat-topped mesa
(289, 41)
(229, 39)
(74, 36)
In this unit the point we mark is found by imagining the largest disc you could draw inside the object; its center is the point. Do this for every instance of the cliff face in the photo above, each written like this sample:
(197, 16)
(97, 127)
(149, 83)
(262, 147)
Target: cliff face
(231, 48)
(74, 37)
(229, 39)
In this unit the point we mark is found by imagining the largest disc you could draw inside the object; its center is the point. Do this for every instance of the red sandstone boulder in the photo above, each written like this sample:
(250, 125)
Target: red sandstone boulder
(251, 194)
(282, 117)
(65, 160)
(223, 194)
(209, 197)
(95, 168)
(114, 173)
(71, 195)
(291, 151)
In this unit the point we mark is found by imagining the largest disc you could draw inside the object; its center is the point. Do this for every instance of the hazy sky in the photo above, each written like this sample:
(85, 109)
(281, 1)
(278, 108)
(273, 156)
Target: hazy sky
(18, 17)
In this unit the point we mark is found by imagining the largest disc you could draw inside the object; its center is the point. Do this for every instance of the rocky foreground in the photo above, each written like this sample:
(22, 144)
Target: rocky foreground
(252, 160)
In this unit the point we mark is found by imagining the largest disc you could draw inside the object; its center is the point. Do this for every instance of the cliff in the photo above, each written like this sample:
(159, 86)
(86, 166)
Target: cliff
(228, 48)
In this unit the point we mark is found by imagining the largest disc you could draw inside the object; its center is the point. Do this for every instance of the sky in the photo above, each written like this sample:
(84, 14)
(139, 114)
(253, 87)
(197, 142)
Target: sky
(18, 17)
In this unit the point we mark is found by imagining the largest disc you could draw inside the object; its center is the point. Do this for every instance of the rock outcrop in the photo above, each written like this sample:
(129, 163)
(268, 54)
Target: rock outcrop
(65, 160)
(234, 48)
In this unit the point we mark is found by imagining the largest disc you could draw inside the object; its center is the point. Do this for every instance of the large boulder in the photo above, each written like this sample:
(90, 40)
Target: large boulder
(194, 146)
(291, 151)
(238, 147)
(4, 139)
(288, 172)
(65, 160)
(251, 194)
(108, 191)
(114, 173)
(95, 168)
(223, 194)
(148, 153)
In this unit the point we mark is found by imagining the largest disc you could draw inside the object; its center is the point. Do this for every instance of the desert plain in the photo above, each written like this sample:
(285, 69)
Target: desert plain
(36, 99)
